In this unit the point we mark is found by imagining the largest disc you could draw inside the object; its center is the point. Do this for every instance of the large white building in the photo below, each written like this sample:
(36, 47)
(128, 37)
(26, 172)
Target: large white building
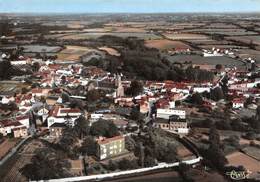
(166, 113)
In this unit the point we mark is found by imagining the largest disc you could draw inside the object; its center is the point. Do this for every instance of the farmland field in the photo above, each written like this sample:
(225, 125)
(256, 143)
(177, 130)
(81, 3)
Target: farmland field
(229, 32)
(127, 30)
(41, 48)
(209, 42)
(246, 39)
(210, 46)
(221, 26)
(245, 53)
(107, 29)
(253, 152)
(239, 158)
(110, 51)
(73, 53)
(96, 35)
(185, 36)
(6, 146)
(197, 59)
(166, 44)
(11, 87)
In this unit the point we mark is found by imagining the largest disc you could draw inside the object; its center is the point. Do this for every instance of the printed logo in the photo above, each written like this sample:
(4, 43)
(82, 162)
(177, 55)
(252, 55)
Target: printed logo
(237, 175)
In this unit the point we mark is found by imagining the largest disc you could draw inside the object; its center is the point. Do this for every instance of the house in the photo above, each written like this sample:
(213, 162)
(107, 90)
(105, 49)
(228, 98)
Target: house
(166, 113)
(174, 124)
(238, 103)
(20, 132)
(57, 129)
(110, 147)
(95, 117)
(43, 112)
(11, 126)
(144, 106)
(63, 115)
(24, 120)
(201, 89)
(38, 92)
(124, 101)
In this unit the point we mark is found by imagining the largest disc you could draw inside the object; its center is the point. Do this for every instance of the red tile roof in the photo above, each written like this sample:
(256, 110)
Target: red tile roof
(22, 117)
(108, 140)
(8, 122)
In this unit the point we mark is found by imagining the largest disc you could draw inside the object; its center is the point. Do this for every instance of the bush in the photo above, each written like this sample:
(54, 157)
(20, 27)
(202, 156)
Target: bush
(104, 128)
(126, 164)
(112, 165)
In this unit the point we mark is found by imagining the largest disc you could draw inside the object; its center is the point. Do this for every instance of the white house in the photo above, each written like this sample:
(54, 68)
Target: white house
(19, 62)
(238, 103)
(9, 126)
(166, 113)
(24, 120)
(201, 89)
(38, 92)
(64, 72)
(95, 117)
(63, 115)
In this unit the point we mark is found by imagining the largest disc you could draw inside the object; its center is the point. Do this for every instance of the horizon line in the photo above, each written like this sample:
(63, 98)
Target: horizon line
(181, 12)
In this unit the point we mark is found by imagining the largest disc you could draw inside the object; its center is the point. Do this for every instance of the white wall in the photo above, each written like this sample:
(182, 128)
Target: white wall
(166, 113)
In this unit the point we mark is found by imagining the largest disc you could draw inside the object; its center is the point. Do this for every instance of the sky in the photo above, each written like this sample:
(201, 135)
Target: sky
(127, 6)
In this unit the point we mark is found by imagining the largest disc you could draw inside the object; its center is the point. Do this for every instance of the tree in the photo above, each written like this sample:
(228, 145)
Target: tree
(135, 114)
(149, 161)
(250, 135)
(5, 69)
(233, 141)
(219, 67)
(126, 164)
(82, 127)
(249, 101)
(65, 97)
(257, 115)
(1, 137)
(104, 128)
(36, 66)
(89, 146)
(130, 143)
(112, 165)
(135, 88)
(183, 171)
(215, 152)
(141, 154)
(68, 141)
(197, 99)
(93, 95)
(47, 164)
(216, 94)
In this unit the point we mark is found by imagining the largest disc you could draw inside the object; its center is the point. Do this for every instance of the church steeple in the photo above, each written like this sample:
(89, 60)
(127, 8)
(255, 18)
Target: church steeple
(120, 88)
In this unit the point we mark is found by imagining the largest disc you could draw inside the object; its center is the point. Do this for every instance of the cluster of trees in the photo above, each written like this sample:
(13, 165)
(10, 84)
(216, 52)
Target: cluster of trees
(5, 28)
(5, 69)
(47, 164)
(215, 94)
(154, 147)
(82, 131)
(196, 74)
(215, 154)
(104, 128)
(153, 68)
(146, 63)
(123, 164)
(136, 87)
